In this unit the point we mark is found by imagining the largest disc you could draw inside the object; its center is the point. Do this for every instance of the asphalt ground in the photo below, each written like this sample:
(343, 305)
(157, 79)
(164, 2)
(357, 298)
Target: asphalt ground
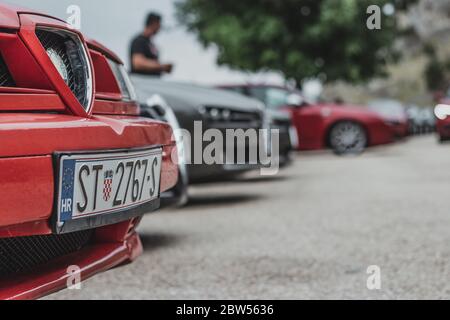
(309, 233)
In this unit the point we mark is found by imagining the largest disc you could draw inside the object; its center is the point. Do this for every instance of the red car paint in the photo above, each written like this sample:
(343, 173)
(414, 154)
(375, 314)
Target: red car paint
(58, 122)
(393, 113)
(314, 121)
(443, 125)
(400, 129)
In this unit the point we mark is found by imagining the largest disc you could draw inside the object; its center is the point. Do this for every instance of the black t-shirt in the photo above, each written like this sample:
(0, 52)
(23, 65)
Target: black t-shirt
(145, 46)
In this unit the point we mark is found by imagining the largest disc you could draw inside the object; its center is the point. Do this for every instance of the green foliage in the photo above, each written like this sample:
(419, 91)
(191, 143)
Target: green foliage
(437, 71)
(300, 38)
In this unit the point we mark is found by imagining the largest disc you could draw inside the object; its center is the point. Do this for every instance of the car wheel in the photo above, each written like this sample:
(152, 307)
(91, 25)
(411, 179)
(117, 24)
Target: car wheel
(348, 137)
(443, 139)
(285, 159)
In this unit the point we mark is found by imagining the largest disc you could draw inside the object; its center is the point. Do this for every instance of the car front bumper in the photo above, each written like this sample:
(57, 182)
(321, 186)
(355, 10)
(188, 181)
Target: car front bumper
(443, 128)
(58, 274)
(27, 190)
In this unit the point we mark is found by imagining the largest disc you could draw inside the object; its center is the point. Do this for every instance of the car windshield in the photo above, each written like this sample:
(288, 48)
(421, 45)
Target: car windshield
(274, 98)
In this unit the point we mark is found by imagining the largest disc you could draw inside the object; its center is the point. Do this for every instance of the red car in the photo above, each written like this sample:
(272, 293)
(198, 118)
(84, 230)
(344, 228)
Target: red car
(345, 129)
(394, 113)
(79, 167)
(442, 113)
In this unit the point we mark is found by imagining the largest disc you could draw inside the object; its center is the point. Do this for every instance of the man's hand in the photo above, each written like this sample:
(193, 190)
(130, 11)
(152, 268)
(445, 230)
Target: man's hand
(167, 67)
(143, 64)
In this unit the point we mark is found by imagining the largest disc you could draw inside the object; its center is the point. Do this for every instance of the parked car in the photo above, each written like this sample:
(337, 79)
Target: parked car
(156, 107)
(414, 120)
(394, 113)
(214, 109)
(79, 166)
(428, 120)
(442, 112)
(287, 138)
(420, 120)
(345, 129)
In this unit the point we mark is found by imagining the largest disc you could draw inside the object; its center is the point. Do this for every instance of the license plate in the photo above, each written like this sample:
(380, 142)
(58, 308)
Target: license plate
(95, 185)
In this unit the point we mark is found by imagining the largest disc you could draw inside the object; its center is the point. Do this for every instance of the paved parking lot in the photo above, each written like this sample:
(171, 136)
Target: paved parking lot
(309, 233)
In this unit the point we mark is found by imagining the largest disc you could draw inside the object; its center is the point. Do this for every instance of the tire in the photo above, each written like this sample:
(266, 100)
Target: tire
(177, 196)
(348, 137)
(443, 139)
(285, 159)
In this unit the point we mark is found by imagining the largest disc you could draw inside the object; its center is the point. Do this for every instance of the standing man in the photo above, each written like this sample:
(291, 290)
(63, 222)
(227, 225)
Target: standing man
(144, 56)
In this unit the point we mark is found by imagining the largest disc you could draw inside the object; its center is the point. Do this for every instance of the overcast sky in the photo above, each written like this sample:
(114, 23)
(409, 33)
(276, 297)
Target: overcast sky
(115, 22)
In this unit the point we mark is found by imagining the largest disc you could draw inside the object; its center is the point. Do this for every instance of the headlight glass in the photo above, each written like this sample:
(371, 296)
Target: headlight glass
(69, 56)
(59, 64)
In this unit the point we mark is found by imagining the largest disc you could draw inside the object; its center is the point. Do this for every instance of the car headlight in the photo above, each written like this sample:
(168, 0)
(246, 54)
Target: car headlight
(70, 57)
(59, 64)
(442, 111)
(226, 114)
(214, 113)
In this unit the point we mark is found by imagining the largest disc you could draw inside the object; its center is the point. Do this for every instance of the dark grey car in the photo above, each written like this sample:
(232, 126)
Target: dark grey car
(216, 109)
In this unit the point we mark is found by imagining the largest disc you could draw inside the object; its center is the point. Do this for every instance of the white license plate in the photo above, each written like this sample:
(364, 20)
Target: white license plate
(101, 184)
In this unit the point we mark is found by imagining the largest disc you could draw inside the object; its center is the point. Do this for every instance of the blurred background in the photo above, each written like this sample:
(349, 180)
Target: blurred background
(114, 24)
(324, 46)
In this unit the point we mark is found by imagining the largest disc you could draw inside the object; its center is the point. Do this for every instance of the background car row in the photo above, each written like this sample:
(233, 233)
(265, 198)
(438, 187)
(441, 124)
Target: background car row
(303, 125)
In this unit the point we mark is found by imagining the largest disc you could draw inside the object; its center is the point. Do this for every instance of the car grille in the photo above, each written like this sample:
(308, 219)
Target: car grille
(70, 52)
(22, 254)
(219, 116)
(237, 116)
(6, 79)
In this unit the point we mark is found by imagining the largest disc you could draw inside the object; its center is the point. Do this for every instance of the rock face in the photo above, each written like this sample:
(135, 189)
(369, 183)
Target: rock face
(429, 18)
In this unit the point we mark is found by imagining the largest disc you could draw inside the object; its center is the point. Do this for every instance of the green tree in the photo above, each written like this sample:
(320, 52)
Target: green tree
(300, 38)
(437, 71)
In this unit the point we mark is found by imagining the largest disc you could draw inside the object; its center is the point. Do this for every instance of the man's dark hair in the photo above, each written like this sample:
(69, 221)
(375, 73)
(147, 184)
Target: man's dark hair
(152, 18)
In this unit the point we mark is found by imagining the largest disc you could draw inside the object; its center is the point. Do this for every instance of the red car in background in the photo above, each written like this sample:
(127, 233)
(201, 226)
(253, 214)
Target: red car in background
(442, 112)
(79, 167)
(394, 113)
(345, 129)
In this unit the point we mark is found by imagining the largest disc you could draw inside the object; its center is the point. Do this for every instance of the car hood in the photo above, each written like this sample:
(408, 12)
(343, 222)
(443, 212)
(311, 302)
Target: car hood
(9, 15)
(278, 115)
(195, 95)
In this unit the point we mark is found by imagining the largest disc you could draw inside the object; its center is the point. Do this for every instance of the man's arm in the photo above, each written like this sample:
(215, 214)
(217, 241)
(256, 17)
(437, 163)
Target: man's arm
(142, 63)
